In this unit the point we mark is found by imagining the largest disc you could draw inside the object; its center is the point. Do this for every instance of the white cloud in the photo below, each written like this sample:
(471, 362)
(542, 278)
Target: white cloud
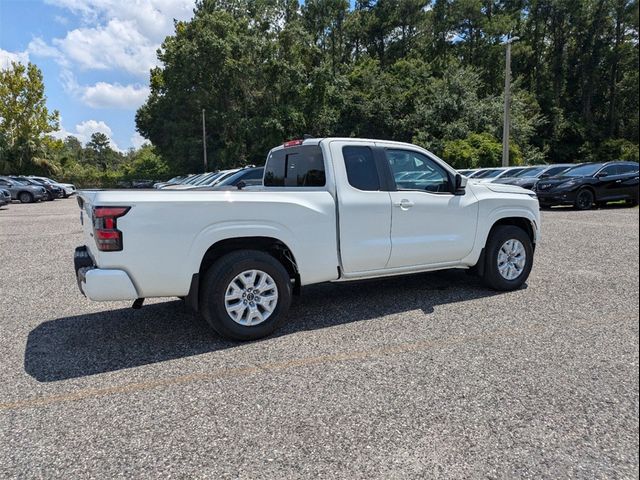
(84, 130)
(39, 48)
(7, 57)
(105, 95)
(119, 34)
(117, 45)
(138, 140)
(108, 95)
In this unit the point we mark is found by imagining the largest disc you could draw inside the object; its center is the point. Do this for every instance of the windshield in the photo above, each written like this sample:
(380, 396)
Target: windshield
(210, 179)
(512, 172)
(19, 182)
(583, 170)
(530, 172)
(491, 173)
(207, 177)
(481, 173)
(193, 179)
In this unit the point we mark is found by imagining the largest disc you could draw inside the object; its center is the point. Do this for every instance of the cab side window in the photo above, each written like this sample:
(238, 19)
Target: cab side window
(415, 171)
(361, 168)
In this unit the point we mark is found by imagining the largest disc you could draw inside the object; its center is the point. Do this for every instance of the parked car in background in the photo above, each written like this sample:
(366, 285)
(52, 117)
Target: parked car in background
(53, 191)
(247, 177)
(5, 197)
(590, 184)
(22, 191)
(212, 180)
(530, 176)
(484, 172)
(142, 183)
(172, 181)
(496, 174)
(67, 188)
(191, 180)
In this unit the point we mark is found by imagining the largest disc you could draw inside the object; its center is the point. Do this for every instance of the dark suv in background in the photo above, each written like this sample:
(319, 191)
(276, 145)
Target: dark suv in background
(591, 184)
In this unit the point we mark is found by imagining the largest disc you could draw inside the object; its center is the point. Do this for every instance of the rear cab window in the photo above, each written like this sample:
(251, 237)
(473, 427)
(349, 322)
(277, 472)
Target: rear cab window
(300, 166)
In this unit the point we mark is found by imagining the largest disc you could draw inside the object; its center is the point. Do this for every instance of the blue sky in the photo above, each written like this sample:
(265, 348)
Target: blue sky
(95, 56)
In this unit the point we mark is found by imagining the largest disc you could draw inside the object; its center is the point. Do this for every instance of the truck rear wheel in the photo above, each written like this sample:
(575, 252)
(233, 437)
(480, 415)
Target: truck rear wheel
(245, 295)
(509, 258)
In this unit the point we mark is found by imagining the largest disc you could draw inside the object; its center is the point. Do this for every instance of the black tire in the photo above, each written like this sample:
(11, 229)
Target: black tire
(217, 280)
(584, 199)
(50, 197)
(25, 197)
(498, 237)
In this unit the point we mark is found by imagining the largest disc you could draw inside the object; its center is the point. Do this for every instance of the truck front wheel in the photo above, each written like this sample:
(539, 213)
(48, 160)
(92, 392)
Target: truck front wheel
(245, 295)
(509, 258)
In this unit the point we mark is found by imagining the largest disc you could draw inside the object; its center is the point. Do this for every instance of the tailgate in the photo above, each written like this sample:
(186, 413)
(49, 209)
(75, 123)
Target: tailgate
(85, 202)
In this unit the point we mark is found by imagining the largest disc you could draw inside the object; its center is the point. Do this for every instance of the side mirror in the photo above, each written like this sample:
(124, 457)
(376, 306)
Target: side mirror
(460, 185)
(241, 184)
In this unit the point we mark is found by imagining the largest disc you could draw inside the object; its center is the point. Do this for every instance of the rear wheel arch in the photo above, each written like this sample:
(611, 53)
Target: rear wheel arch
(272, 246)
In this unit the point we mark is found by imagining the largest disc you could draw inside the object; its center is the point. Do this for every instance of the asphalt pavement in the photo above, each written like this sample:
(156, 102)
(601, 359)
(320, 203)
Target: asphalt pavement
(425, 376)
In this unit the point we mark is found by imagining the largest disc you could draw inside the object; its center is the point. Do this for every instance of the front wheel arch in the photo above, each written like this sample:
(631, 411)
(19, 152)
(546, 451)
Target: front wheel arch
(523, 223)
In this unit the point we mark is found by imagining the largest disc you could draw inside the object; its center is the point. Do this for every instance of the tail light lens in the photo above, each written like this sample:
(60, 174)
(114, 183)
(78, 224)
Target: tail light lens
(292, 143)
(105, 227)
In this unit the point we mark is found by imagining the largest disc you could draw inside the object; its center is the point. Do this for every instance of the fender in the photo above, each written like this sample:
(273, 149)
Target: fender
(494, 216)
(217, 232)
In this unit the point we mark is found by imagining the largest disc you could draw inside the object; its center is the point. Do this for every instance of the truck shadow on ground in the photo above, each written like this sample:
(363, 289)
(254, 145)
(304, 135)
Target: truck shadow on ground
(112, 340)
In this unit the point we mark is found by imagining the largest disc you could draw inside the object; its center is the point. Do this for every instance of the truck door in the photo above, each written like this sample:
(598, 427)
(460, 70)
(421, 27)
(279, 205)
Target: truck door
(364, 207)
(430, 224)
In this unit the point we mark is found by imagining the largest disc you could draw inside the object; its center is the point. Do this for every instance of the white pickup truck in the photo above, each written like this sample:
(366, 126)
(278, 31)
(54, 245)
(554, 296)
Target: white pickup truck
(331, 209)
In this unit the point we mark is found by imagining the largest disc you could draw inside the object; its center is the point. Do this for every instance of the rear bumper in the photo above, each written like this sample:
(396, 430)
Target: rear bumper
(101, 284)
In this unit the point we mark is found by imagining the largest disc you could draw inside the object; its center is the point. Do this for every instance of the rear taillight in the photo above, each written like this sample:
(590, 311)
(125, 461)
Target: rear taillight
(105, 228)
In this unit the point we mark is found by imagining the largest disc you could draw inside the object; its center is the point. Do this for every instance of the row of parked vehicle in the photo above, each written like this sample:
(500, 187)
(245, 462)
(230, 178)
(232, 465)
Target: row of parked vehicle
(582, 185)
(237, 178)
(32, 189)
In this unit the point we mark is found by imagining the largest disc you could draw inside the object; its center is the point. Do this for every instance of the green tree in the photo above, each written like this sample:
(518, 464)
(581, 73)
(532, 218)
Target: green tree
(98, 152)
(144, 163)
(25, 120)
(429, 72)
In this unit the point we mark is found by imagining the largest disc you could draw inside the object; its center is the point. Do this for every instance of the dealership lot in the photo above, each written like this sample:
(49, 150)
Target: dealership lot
(422, 376)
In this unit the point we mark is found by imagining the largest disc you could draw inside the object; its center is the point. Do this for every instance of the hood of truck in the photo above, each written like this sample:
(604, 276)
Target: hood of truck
(505, 188)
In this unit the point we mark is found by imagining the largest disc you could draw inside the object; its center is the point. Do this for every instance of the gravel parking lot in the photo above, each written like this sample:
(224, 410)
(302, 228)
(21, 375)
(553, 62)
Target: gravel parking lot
(415, 377)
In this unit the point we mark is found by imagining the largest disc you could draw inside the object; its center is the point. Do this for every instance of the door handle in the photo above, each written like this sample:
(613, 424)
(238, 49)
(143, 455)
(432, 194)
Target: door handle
(404, 204)
(618, 181)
